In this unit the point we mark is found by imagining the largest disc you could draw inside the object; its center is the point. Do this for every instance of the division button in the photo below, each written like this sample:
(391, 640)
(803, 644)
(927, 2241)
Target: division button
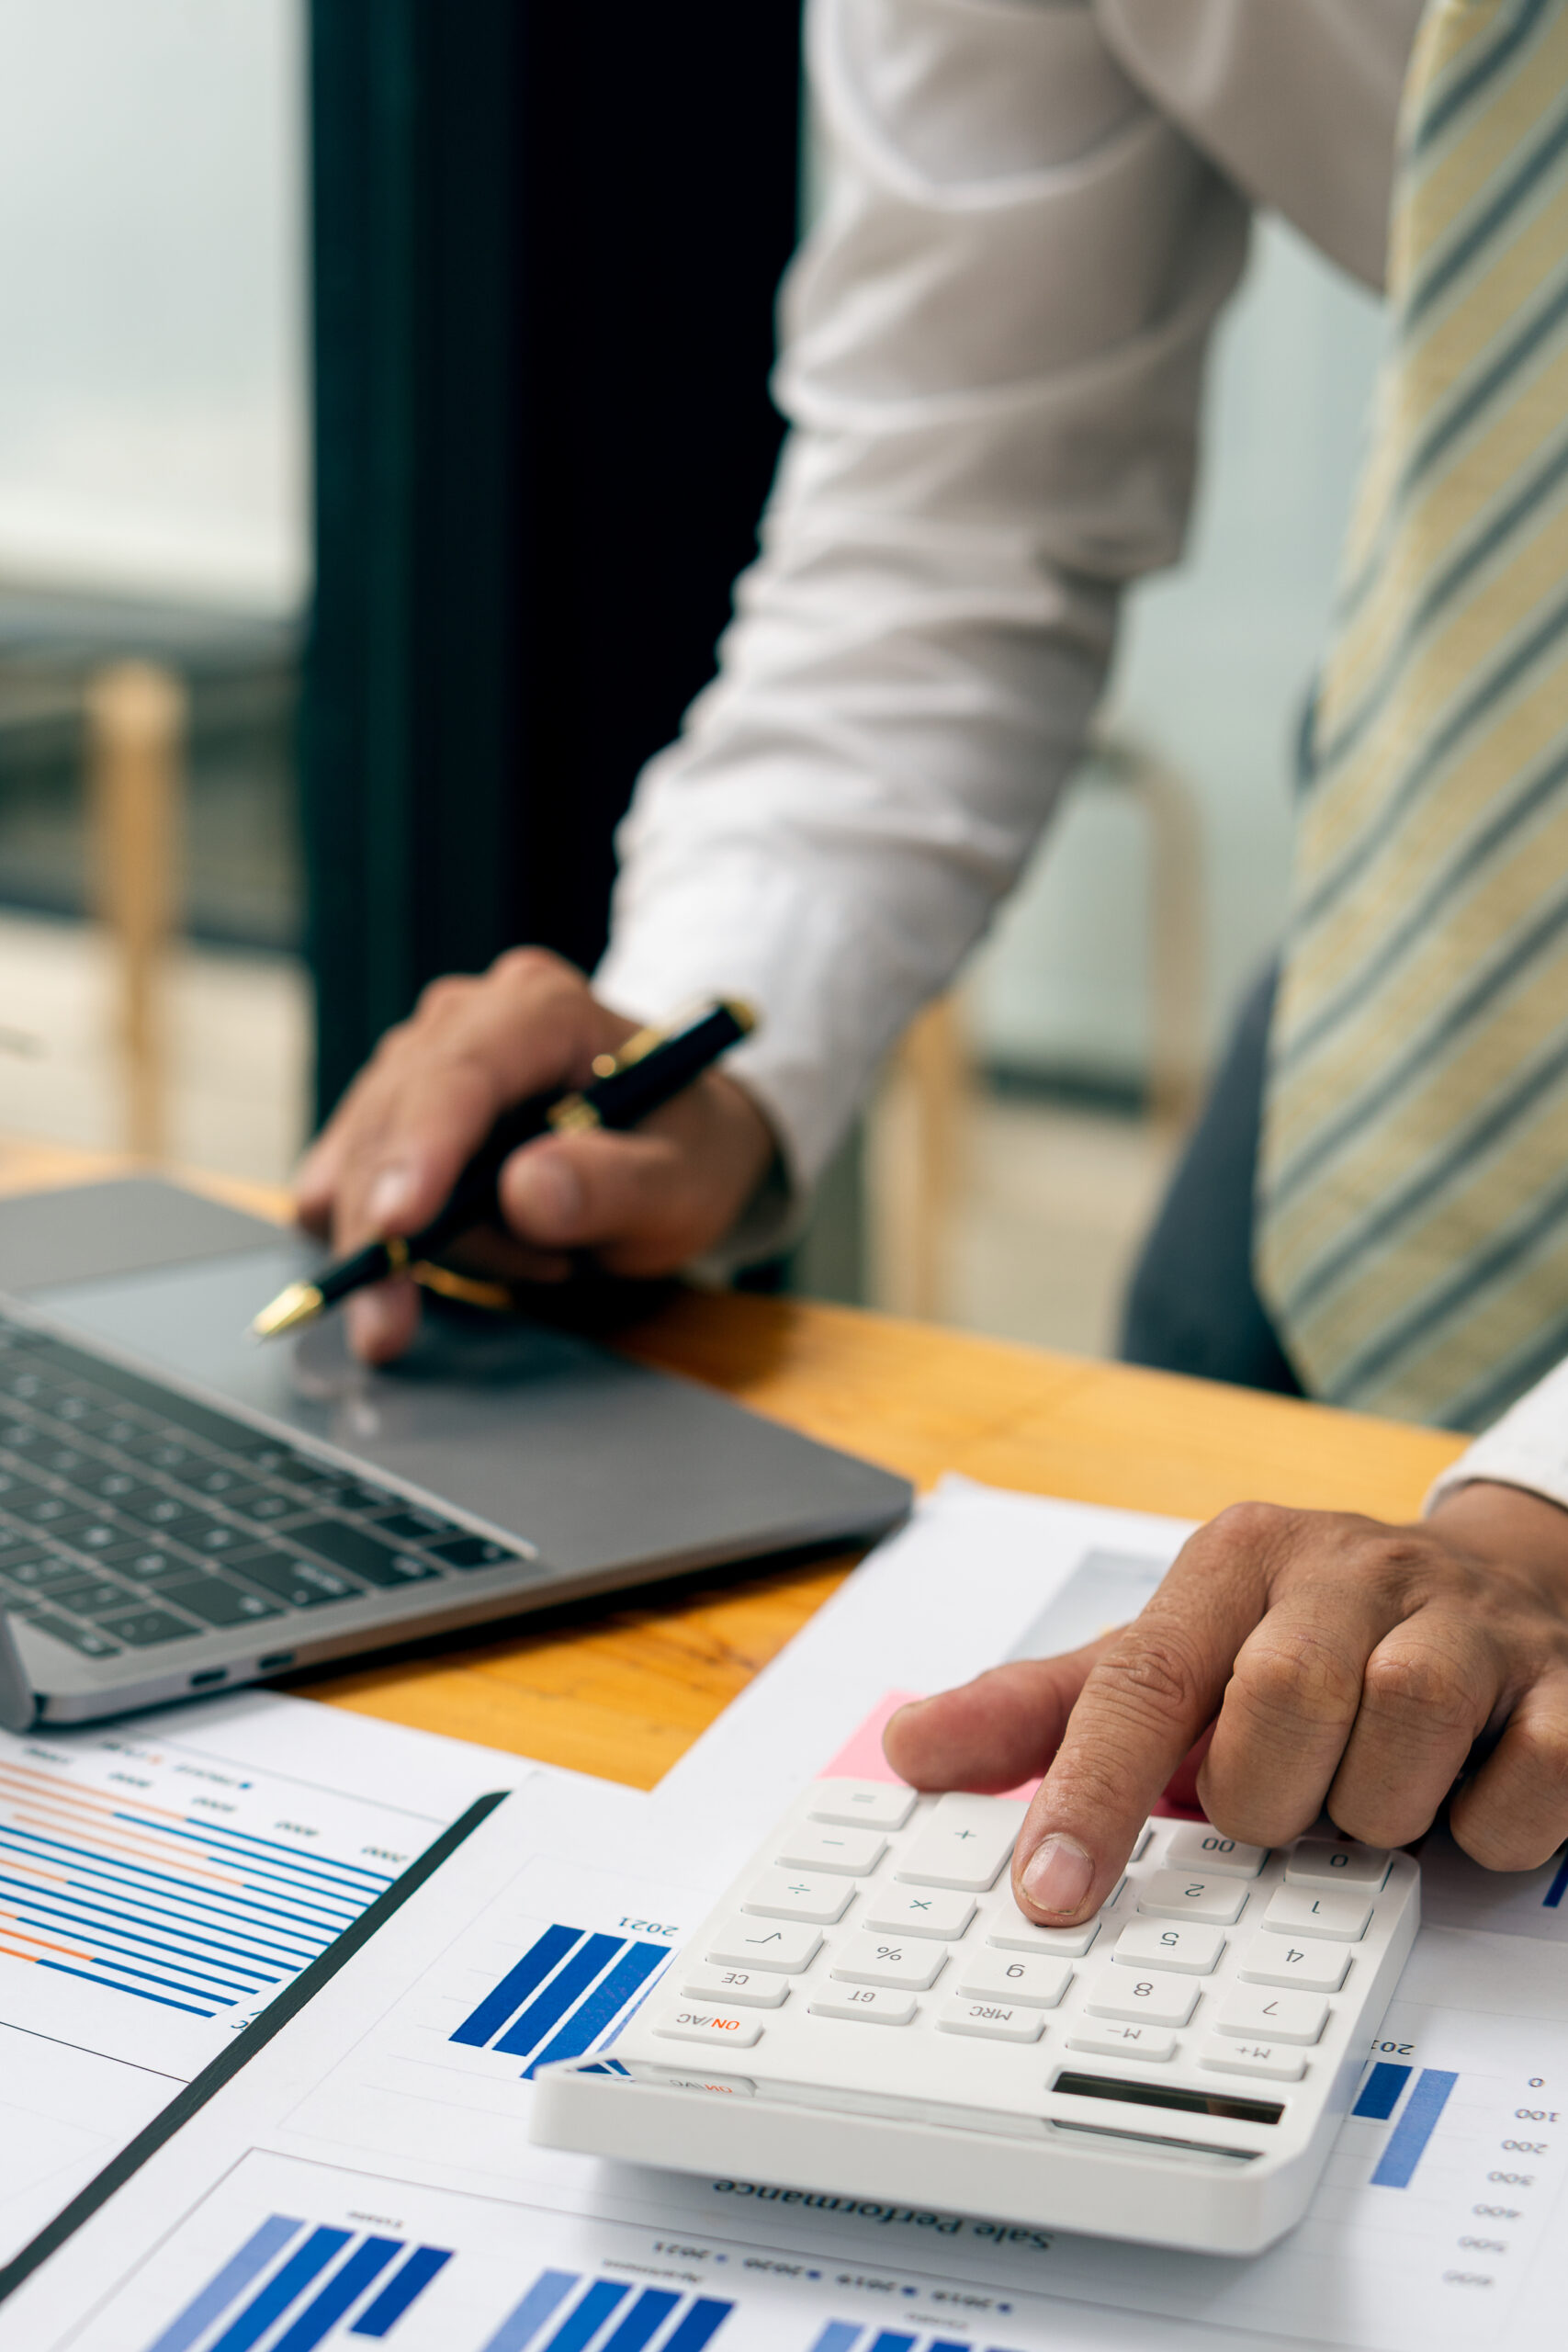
(1306, 1966)
(1341, 1918)
(1009, 1930)
(905, 1911)
(1255, 2012)
(908, 1964)
(1037, 1983)
(1195, 1846)
(720, 2026)
(868, 2003)
(1109, 2041)
(865, 1805)
(801, 1894)
(1163, 2000)
(774, 1944)
(848, 1853)
(737, 1988)
(1176, 1894)
(1150, 1943)
(963, 1843)
(1319, 1861)
(1274, 2060)
(992, 2020)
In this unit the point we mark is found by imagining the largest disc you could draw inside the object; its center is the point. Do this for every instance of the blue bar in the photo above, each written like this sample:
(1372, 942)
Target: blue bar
(585, 2319)
(400, 2290)
(890, 2341)
(515, 1986)
(345, 2285)
(703, 2320)
(647, 2315)
(606, 2001)
(837, 2336)
(944, 2344)
(108, 1983)
(220, 2292)
(1558, 1888)
(1408, 2138)
(272, 2300)
(547, 2009)
(519, 2326)
(1381, 2092)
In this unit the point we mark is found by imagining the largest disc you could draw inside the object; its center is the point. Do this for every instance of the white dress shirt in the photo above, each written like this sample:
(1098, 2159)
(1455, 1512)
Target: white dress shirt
(993, 346)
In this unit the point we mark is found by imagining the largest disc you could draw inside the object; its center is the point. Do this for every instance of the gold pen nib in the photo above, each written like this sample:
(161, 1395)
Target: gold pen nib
(301, 1303)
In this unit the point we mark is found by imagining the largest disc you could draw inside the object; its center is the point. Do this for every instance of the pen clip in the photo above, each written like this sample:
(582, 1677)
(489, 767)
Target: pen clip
(631, 1050)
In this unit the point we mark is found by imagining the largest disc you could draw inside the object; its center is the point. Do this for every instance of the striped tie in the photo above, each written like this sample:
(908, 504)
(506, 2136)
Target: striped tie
(1412, 1192)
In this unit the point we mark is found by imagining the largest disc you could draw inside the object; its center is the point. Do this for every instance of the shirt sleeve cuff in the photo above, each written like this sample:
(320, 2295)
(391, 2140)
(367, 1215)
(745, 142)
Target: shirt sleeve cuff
(1528, 1448)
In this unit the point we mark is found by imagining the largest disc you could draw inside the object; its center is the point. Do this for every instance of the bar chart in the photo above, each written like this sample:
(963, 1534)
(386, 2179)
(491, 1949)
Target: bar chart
(843, 2336)
(1381, 2094)
(568, 1994)
(607, 2315)
(311, 2283)
(198, 1910)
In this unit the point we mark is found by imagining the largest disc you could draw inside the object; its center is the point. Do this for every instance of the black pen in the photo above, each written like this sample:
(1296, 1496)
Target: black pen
(646, 1071)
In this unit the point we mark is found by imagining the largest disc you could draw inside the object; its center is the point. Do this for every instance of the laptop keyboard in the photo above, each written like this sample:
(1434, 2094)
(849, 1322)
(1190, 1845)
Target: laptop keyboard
(131, 1517)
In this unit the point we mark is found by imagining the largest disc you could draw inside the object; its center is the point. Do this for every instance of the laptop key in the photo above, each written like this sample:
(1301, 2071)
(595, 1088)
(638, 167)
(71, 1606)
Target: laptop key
(217, 1603)
(478, 1552)
(87, 1639)
(42, 1572)
(97, 1600)
(199, 1533)
(143, 1562)
(352, 1548)
(142, 1629)
(412, 1526)
(263, 1503)
(304, 1583)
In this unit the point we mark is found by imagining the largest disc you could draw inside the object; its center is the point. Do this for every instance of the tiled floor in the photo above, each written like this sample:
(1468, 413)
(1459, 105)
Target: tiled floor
(1048, 1208)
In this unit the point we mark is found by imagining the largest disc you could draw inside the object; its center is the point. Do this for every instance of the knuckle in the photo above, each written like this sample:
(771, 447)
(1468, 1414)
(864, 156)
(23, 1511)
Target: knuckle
(1150, 1671)
(446, 995)
(1419, 1685)
(1298, 1671)
(533, 965)
(1254, 1526)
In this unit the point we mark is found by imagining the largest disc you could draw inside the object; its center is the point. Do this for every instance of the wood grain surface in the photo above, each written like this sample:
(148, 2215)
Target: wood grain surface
(622, 1687)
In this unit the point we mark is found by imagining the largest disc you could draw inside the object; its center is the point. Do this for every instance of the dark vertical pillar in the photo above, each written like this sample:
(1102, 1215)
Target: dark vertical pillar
(547, 242)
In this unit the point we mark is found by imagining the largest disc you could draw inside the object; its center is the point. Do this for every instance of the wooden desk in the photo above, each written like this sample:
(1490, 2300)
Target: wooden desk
(622, 1690)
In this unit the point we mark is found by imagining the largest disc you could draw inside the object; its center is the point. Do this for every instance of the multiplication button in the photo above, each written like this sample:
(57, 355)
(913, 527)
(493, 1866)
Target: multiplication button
(905, 1911)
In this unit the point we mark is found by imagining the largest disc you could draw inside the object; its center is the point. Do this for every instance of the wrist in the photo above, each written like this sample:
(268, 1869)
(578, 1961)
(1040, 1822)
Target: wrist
(1491, 1519)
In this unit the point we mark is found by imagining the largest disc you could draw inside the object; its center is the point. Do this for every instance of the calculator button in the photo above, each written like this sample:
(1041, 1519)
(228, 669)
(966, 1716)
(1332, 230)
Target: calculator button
(1271, 2059)
(1009, 1930)
(1297, 1911)
(868, 1805)
(848, 1853)
(1198, 1847)
(864, 2004)
(1140, 1843)
(992, 2020)
(1173, 1895)
(1306, 1966)
(737, 1988)
(1006, 1976)
(1191, 1951)
(964, 1844)
(902, 1911)
(757, 1943)
(909, 1964)
(1257, 2012)
(1163, 2000)
(1108, 2040)
(1318, 1861)
(800, 1895)
(711, 2026)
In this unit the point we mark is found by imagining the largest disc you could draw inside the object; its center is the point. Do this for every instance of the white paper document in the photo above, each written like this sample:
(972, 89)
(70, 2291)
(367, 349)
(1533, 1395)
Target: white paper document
(367, 2178)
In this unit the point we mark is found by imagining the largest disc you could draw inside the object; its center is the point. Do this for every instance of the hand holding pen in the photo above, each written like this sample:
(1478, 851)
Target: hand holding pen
(645, 1201)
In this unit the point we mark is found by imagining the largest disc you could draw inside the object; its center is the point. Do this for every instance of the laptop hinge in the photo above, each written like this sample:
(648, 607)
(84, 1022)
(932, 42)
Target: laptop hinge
(18, 1707)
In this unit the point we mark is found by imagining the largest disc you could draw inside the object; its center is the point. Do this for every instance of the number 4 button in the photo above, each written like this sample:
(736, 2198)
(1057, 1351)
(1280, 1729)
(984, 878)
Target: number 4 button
(1310, 1967)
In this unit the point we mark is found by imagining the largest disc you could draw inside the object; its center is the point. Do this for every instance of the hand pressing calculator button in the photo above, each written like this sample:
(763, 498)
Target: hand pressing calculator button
(1175, 2069)
(1318, 1861)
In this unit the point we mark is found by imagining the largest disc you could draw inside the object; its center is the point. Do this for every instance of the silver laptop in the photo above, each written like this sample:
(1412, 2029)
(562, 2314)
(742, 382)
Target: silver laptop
(181, 1510)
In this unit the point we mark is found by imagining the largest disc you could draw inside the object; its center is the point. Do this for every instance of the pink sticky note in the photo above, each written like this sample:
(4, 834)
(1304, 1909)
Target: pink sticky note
(861, 1758)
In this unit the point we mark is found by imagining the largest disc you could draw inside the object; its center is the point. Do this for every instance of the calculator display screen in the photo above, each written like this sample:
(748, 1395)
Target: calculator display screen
(1238, 2110)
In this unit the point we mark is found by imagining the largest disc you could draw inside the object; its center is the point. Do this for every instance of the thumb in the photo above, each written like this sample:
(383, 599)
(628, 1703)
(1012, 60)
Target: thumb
(577, 1191)
(1003, 1728)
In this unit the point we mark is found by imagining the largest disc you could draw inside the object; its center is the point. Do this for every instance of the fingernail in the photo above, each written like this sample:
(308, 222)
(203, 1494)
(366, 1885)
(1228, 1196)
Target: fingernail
(546, 1195)
(1057, 1874)
(389, 1198)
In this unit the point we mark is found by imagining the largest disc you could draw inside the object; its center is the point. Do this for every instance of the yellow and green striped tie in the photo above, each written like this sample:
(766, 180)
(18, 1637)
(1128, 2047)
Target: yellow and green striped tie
(1413, 1181)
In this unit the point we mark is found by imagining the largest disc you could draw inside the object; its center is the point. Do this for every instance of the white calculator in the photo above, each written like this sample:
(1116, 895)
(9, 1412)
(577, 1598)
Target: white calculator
(868, 2014)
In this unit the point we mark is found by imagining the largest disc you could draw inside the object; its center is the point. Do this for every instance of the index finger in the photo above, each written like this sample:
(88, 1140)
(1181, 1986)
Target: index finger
(1145, 1702)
